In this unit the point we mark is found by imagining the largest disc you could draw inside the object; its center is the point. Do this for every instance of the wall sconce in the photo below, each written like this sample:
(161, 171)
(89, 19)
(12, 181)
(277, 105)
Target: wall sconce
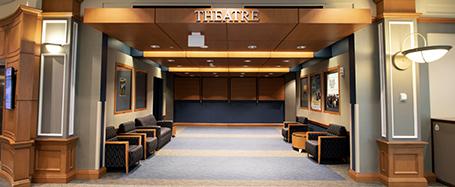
(54, 35)
(425, 54)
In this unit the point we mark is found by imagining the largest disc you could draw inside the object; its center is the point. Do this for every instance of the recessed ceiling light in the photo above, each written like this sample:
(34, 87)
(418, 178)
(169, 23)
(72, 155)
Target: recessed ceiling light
(191, 75)
(278, 66)
(171, 47)
(187, 73)
(270, 73)
(154, 46)
(210, 61)
(252, 47)
(215, 73)
(179, 65)
(216, 76)
(242, 76)
(247, 61)
(170, 60)
(286, 61)
(245, 66)
(266, 75)
(301, 47)
(205, 47)
(242, 73)
(211, 65)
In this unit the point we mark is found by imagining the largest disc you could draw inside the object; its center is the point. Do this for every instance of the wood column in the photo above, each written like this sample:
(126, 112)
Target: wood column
(20, 37)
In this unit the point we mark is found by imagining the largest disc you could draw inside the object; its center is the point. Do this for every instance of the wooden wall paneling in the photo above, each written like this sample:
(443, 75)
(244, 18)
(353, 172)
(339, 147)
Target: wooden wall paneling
(21, 39)
(214, 89)
(243, 89)
(187, 88)
(271, 88)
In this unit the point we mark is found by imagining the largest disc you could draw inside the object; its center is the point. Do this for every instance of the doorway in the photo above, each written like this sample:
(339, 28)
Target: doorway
(158, 98)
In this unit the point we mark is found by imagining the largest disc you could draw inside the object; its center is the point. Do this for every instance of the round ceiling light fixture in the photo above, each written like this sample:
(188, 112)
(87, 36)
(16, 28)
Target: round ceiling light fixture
(155, 46)
(247, 61)
(170, 60)
(301, 47)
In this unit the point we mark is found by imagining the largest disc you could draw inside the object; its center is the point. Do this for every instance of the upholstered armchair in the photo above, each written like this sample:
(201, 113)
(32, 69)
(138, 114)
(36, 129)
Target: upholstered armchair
(149, 139)
(328, 146)
(122, 150)
(163, 129)
(290, 127)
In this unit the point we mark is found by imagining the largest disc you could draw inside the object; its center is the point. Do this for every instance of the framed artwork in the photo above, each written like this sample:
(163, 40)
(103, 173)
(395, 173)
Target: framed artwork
(140, 98)
(332, 91)
(304, 92)
(316, 92)
(123, 89)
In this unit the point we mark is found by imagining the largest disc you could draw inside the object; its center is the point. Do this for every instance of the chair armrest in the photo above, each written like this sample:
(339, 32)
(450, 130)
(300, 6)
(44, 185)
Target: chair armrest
(165, 123)
(133, 139)
(148, 132)
(156, 127)
(286, 123)
(315, 135)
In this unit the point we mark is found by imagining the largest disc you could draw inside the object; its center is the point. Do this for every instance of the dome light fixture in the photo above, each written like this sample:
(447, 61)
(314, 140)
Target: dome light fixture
(427, 54)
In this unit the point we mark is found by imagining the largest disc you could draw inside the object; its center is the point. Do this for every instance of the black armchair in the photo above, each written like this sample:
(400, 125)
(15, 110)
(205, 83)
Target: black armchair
(149, 139)
(291, 127)
(328, 146)
(122, 150)
(163, 129)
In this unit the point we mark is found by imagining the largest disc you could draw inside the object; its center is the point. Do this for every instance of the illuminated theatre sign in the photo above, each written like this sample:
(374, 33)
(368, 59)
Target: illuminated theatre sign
(227, 16)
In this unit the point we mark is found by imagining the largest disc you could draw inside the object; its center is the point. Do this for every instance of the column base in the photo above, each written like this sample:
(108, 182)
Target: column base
(401, 163)
(55, 160)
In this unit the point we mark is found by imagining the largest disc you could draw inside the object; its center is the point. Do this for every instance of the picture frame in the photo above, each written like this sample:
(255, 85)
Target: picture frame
(304, 92)
(140, 94)
(332, 91)
(123, 89)
(316, 92)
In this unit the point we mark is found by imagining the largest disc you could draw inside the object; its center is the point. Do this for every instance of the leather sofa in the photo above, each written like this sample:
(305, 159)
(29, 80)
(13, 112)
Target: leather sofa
(122, 151)
(149, 139)
(332, 145)
(290, 127)
(163, 128)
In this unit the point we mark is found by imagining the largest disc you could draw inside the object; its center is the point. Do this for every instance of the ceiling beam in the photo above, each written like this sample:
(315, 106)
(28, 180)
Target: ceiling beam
(230, 70)
(226, 54)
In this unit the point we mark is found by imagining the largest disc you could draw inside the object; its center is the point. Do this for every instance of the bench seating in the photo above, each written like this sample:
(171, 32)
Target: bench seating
(163, 128)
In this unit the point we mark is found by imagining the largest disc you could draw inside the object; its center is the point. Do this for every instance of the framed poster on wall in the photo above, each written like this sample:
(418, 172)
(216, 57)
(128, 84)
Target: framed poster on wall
(316, 92)
(332, 91)
(140, 101)
(123, 88)
(304, 92)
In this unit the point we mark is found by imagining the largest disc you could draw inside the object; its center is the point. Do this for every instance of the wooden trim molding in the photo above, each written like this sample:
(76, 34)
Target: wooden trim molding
(363, 177)
(92, 174)
(435, 20)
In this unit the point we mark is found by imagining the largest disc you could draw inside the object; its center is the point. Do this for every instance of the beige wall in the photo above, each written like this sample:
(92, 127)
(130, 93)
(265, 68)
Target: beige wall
(117, 57)
(344, 118)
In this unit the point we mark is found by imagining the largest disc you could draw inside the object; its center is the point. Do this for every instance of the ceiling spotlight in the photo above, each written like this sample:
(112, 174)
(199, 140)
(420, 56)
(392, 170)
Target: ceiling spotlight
(154, 46)
(301, 47)
(252, 47)
(216, 76)
(242, 76)
(179, 65)
(210, 61)
(215, 73)
(187, 73)
(191, 75)
(245, 66)
(242, 73)
(286, 61)
(204, 47)
(266, 75)
(278, 66)
(170, 60)
(247, 61)
(270, 73)
(171, 47)
(211, 65)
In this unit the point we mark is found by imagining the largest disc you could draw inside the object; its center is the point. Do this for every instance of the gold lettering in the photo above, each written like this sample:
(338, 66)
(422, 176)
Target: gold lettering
(198, 13)
(218, 16)
(207, 15)
(236, 15)
(255, 16)
(227, 16)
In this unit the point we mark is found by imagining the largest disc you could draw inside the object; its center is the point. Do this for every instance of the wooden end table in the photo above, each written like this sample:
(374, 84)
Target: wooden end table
(298, 140)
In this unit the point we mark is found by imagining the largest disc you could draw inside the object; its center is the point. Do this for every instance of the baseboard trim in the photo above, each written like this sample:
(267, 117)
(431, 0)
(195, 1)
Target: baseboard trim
(431, 177)
(90, 174)
(363, 177)
(231, 124)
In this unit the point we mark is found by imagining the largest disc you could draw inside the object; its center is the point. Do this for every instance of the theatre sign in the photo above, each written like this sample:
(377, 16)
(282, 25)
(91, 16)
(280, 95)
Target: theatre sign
(227, 15)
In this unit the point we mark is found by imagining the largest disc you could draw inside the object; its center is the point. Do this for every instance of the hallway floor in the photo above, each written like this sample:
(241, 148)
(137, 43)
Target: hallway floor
(227, 156)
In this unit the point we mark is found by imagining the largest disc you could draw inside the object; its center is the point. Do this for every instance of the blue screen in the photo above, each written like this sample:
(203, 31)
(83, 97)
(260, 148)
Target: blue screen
(9, 88)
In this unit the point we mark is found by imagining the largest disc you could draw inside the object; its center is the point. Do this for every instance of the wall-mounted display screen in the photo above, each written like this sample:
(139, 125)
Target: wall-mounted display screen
(10, 81)
(141, 90)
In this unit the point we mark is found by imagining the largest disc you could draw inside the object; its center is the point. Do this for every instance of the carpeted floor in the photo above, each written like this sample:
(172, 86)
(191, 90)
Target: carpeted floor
(227, 156)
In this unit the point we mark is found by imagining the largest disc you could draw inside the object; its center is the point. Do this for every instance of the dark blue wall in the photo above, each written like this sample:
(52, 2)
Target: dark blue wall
(233, 112)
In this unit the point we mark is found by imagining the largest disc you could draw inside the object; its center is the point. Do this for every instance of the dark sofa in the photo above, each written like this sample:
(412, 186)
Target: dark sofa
(301, 125)
(122, 151)
(149, 139)
(163, 128)
(331, 145)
